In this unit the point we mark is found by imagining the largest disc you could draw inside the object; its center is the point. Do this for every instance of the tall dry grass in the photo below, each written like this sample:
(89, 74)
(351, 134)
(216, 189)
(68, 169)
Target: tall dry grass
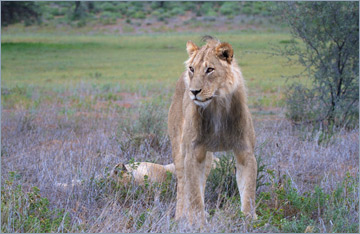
(58, 143)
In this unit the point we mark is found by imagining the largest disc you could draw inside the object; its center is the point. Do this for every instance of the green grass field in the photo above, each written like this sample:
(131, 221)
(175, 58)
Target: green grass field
(152, 62)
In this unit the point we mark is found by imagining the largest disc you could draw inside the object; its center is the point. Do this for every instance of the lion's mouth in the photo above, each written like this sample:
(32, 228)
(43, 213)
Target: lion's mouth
(206, 99)
(203, 103)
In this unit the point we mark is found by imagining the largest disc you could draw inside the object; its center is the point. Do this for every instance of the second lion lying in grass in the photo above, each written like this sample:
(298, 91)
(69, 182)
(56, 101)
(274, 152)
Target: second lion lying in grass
(138, 171)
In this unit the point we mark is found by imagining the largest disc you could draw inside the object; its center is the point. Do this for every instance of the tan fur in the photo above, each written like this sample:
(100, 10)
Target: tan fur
(124, 173)
(215, 119)
(136, 172)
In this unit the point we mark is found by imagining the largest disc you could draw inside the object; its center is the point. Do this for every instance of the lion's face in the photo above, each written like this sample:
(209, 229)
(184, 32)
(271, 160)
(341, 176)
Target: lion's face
(209, 73)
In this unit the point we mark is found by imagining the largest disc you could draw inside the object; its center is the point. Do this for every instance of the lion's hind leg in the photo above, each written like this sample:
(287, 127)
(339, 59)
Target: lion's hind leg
(208, 166)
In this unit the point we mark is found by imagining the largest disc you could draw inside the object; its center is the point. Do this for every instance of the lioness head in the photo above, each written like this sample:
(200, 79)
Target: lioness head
(120, 174)
(210, 71)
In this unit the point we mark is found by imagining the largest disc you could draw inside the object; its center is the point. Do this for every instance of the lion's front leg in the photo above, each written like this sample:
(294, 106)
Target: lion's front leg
(246, 171)
(180, 196)
(195, 178)
(178, 158)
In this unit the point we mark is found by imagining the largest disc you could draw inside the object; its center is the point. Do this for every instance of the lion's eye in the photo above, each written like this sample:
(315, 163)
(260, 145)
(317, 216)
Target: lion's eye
(210, 69)
(191, 69)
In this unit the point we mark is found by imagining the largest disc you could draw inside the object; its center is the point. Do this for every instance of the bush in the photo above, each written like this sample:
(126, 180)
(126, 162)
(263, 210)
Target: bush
(138, 6)
(139, 15)
(107, 6)
(211, 14)
(55, 11)
(152, 119)
(13, 12)
(189, 6)
(149, 128)
(107, 18)
(229, 8)
(206, 7)
(316, 210)
(81, 23)
(221, 184)
(122, 7)
(301, 104)
(157, 13)
(29, 212)
(330, 55)
(177, 11)
(222, 181)
(19, 95)
(164, 16)
(79, 12)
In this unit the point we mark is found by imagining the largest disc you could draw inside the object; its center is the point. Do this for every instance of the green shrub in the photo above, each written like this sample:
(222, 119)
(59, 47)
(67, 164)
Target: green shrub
(19, 95)
(29, 211)
(152, 119)
(81, 23)
(138, 6)
(107, 18)
(291, 211)
(301, 103)
(122, 7)
(189, 6)
(157, 13)
(221, 183)
(139, 15)
(229, 8)
(128, 20)
(330, 56)
(206, 7)
(15, 11)
(107, 6)
(177, 11)
(56, 11)
(130, 12)
(155, 5)
(149, 127)
(257, 8)
(212, 14)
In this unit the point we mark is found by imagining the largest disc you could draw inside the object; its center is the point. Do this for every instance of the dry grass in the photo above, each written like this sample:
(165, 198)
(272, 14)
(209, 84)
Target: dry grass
(61, 141)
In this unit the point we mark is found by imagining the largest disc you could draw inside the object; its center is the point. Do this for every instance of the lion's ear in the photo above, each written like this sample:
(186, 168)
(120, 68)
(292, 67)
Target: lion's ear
(191, 48)
(225, 52)
(119, 167)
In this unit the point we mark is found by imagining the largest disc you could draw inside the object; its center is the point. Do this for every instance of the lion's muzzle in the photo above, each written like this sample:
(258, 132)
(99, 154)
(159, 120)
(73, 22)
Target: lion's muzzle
(203, 103)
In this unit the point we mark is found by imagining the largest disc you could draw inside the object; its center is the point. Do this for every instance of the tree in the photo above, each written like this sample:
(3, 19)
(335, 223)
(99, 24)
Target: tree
(13, 12)
(330, 53)
(80, 11)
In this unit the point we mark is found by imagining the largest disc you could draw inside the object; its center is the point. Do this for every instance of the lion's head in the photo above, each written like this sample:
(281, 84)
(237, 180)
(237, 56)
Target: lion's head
(211, 71)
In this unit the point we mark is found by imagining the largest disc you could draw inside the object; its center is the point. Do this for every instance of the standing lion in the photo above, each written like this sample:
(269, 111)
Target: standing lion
(209, 113)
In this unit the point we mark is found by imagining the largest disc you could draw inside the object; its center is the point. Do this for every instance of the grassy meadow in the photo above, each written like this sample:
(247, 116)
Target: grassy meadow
(75, 105)
(126, 62)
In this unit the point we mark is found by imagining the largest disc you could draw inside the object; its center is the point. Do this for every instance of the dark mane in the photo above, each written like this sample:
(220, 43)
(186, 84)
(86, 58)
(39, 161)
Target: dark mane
(207, 38)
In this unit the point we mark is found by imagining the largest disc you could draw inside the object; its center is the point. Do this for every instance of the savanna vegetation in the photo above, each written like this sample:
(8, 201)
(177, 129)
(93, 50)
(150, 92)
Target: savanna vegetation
(80, 93)
(80, 14)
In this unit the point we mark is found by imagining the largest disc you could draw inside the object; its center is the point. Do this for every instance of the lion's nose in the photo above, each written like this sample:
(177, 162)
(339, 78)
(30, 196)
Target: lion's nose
(195, 91)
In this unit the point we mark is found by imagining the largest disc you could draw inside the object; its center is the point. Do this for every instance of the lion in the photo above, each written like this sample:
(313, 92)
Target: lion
(137, 172)
(209, 113)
